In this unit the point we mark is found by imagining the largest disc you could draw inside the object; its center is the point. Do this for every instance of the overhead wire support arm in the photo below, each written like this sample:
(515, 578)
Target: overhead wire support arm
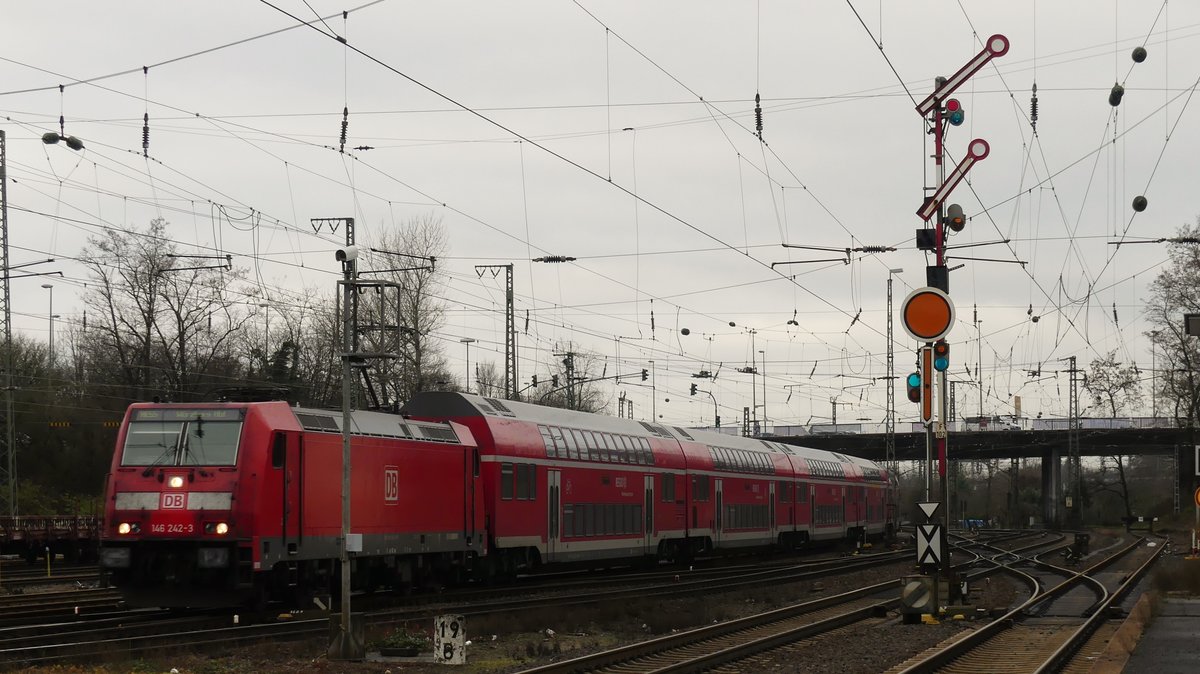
(227, 266)
(981, 243)
(987, 259)
(843, 260)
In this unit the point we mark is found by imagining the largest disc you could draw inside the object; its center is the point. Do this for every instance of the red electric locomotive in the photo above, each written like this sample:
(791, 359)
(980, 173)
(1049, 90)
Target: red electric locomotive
(219, 504)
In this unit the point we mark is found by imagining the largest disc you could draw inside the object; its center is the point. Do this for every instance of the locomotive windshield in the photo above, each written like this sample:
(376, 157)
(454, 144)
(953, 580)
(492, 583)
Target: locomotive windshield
(174, 437)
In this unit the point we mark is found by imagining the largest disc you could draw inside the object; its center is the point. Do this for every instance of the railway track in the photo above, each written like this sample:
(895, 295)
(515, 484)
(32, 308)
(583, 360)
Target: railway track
(1065, 613)
(138, 632)
(733, 646)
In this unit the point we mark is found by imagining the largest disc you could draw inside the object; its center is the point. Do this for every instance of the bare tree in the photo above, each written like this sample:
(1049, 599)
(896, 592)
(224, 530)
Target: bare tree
(489, 380)
(572, 383)
(411, 263)
(1174, 292)
(1114, 388)
(165, 326)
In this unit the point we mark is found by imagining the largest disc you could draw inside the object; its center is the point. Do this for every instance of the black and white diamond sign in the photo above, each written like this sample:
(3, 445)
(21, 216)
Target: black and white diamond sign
(929, 544)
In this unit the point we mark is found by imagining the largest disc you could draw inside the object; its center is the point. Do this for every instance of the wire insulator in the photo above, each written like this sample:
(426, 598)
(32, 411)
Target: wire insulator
(758, 115)
(345, 126)
(1033, 108)
(146, 135)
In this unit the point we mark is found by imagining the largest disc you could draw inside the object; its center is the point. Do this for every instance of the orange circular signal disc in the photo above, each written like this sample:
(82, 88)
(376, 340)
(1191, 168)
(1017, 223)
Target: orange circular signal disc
(927, 314)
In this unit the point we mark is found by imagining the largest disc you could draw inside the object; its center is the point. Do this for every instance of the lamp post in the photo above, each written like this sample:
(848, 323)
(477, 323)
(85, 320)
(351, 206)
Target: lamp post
(50, 287)
(1153, 377)
(467, 341)
(763, 353)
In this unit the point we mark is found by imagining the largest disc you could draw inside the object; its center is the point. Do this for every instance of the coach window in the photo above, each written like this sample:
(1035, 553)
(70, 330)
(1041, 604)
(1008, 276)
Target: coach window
(610, 447)
(785, 492)
(506, 481)
(548, 441)
(699, 487)
(623, 449)
(668, 488)
(584, 440)
(526, 487)
(569, 439)
(557, 434)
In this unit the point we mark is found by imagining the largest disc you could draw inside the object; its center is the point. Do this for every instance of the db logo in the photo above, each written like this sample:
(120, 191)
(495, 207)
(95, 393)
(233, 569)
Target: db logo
(391, 484)
(172, 501)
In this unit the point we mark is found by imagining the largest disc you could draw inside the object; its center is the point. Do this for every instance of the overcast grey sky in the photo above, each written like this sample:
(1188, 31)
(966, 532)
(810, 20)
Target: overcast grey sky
(249, 128)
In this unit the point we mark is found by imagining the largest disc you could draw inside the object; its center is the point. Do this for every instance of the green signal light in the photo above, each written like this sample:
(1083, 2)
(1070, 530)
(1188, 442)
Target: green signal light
(914, 379)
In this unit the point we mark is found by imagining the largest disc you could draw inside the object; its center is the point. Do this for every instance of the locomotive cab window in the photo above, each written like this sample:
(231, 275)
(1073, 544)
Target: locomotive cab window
(173, 437)
(279, 451)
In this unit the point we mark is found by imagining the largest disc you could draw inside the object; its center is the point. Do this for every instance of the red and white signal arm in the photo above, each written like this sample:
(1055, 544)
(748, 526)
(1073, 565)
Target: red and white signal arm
(927, 314)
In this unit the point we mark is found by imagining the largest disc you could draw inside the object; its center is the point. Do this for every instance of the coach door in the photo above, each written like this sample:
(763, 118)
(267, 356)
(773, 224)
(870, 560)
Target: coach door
(648, 529)
(771, 508)
(554, 521)
(720, 514)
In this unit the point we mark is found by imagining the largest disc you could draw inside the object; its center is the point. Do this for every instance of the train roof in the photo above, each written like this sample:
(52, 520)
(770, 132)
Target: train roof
(455, 404)
(377, 424)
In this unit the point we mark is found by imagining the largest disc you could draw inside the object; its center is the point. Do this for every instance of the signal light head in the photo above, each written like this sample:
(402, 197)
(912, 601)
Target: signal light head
(954, 112)
(941, 355)
(914, 387)
(955, 219)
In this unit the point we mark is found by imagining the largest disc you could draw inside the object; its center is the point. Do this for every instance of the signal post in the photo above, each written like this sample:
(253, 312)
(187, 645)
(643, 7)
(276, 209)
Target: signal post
(928, 316)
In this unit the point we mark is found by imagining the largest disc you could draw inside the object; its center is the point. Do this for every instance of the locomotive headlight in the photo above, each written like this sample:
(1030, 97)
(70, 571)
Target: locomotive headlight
(176, 481)
(222, 528)
(123, 528)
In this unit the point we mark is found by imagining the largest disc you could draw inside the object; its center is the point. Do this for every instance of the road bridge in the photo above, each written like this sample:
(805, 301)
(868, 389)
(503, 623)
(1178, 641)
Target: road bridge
(1050, 446)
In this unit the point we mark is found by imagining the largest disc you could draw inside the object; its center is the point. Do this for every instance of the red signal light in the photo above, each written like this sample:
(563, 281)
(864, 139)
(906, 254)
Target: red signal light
(952, 105)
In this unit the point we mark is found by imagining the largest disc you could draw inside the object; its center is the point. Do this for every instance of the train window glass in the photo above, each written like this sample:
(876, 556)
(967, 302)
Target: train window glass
(524, 477)
(506, 481)
(572, 441)
(476, 462)
(700, 488)
(568, 518)
(548, 441)
(203, 442)
(784, 492)
(557, 434)
(610, 519)
(593, 520)
(802, 492)
(581, 441)
(623, 449)
(668, 488)
(279, 451)
(611, 446)
(586, 446)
